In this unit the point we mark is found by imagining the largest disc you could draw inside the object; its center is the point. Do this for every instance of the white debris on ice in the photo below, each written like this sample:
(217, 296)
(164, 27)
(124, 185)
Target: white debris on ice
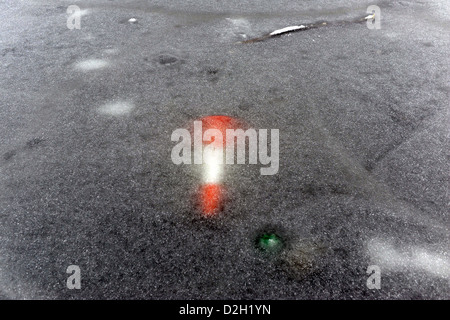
(287, 29)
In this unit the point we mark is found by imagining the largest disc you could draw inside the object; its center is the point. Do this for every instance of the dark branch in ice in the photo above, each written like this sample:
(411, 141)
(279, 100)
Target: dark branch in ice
(304, 27)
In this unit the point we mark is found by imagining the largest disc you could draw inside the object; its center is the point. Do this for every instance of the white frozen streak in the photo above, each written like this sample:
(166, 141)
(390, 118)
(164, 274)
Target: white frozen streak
(116, 108)
(91, 64)
(412, 258)
(287, 29)
(239, 27)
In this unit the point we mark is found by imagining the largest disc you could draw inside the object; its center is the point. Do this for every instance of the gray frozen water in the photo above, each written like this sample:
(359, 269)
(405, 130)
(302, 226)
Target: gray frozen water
(86, 176)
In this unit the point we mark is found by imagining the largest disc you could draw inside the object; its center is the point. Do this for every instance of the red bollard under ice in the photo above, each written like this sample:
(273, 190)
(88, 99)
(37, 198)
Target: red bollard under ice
(212, 191)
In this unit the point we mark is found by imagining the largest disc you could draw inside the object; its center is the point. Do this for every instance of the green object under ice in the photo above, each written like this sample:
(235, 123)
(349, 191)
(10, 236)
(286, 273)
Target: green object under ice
(270, 242)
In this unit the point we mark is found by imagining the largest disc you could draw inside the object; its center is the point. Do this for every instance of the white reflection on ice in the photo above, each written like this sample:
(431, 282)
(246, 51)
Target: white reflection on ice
(213, 164)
